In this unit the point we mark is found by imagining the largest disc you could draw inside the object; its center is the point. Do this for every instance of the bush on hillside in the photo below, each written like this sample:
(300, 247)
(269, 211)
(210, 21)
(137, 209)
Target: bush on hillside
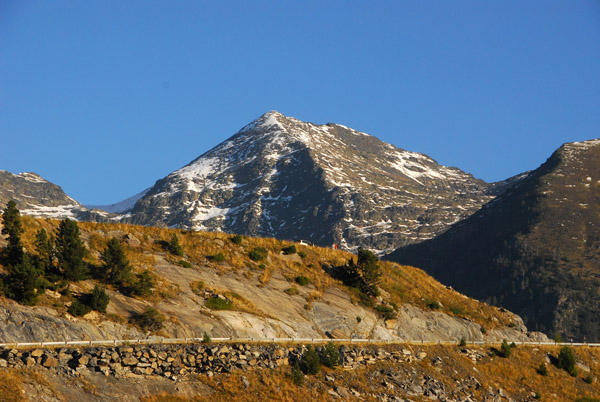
(99, 299)
(289, 250)
(258, 254)
(217, 303)
(149, 320)
(78, 308)
(310, 363)
(237, 239)
(302, 280)
(329, 355)
(566, 361)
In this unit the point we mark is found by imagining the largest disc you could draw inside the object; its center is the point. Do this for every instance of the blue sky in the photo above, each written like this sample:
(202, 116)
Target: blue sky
(106, 97)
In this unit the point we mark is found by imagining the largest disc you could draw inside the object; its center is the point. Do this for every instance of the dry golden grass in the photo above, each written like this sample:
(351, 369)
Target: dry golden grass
(11, 386)
(515, 375)
(402, 284)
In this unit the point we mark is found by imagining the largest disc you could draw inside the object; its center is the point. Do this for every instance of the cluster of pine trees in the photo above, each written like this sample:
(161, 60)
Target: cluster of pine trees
(58, 259)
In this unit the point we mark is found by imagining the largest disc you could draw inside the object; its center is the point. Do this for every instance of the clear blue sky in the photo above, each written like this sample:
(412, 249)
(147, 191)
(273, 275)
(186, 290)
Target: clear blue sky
(106, 97)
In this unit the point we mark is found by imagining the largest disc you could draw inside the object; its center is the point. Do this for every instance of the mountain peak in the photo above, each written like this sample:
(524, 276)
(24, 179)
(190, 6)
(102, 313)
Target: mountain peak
(284, 178)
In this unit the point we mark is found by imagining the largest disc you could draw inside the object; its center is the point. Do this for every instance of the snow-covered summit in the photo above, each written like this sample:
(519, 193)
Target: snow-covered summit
(282, 177)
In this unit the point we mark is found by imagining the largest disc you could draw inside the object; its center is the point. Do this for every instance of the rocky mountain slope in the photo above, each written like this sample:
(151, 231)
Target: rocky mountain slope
(534, 250)
(284, 178)
(36, 196)
(266, 299)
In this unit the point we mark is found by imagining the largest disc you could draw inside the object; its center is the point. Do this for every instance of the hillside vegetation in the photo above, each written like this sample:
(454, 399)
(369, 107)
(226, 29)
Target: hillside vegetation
(186, 283)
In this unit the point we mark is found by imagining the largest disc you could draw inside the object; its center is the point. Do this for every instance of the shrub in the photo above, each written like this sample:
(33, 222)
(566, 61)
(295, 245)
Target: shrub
(78, 308)
(537, 396)
(151, 319)
(206, 338)
(463, 342)
(566, 361)
(302, 254)
(292, 291)
(143, 284)
(358, 318)
(588, 379)
(174, 247)
(310, 362)
(386, 312)
(289, 250)
(237, 239)
(185, 264)
(217, 257)
(505, 349)
(302, 280)
(258, 254)
(434, 305)
(217, 303)
(297, 376)
(542, 370)
(330, 355)
(457, 311)
(99, 299)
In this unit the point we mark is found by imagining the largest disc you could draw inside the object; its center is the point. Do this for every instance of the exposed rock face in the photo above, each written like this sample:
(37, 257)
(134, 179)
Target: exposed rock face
(284, 178)
(31, 324)
(333, 314)
(534, 249)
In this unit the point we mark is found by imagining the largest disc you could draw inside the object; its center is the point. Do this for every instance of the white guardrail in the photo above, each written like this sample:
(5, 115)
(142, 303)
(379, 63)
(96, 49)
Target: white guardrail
(159, 341)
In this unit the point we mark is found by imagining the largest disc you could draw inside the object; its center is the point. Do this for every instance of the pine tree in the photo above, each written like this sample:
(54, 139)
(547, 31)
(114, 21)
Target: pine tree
(369, 272)
(99, 299)
(143, 285)
(23, 281)
(116, 268)
(44, 246)
(70, 251)
(11, 221)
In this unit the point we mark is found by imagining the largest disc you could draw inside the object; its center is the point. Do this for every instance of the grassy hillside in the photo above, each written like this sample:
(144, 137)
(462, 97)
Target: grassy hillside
(221, 255)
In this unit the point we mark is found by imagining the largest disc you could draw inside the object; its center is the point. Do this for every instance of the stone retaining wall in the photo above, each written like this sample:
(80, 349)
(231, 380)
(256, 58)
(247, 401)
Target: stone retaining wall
(172, 361)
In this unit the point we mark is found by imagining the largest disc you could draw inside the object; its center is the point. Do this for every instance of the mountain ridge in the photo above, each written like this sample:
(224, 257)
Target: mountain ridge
(533, 249)
(326, 175)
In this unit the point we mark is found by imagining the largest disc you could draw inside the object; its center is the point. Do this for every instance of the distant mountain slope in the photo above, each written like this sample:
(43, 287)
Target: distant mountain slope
(122, 206)
(534, 250)
(284, 178)
(38, 197)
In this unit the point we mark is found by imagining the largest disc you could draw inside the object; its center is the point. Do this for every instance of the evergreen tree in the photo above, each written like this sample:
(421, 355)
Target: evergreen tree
(23, 281)
(70, 250)
(99, 299)
(116, 268)
(174, 246)
(44, 246)
(11, 221)
(144, 284)
(351, 275)
(369, 271)
(309, 362)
